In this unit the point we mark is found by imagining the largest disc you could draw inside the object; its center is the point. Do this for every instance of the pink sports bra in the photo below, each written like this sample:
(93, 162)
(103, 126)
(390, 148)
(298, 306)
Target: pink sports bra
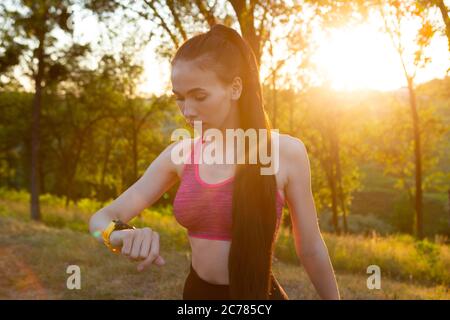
(205, 209)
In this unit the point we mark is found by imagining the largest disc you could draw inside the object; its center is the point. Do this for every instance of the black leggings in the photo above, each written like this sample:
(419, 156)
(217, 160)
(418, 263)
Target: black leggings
(195, 288)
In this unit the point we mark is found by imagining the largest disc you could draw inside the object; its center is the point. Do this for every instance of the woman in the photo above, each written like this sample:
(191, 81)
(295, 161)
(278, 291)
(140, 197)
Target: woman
(215, 80)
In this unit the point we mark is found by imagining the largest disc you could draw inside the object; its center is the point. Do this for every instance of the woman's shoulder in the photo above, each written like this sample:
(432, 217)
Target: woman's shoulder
(179, 152)
(287, 148)
(292, 153)
(288, 144)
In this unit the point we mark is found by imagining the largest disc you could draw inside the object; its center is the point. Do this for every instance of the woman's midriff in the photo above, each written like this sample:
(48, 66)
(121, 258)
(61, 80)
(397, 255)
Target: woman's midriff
(210, 259)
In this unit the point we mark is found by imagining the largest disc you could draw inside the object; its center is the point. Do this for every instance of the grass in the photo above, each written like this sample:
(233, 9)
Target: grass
(34, 259)
(34, 256)
(399, 256)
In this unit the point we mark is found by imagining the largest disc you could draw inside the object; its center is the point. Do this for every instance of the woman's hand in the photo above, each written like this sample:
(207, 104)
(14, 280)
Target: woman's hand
(138, 244)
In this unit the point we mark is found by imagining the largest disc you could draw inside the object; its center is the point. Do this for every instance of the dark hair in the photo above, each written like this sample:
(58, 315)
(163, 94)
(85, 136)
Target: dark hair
(225, 52)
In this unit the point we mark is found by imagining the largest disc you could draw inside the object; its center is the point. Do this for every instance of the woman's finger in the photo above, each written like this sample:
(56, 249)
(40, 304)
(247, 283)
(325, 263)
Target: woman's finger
(145, 246)
(137, 242)
(153, 254)
(127, 243)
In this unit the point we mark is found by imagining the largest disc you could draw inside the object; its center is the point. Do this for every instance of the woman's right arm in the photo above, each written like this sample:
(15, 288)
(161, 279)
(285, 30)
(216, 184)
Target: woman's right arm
(139, 243)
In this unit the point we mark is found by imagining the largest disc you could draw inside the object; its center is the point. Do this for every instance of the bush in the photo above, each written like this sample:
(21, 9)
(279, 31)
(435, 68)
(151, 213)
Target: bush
(14, 195)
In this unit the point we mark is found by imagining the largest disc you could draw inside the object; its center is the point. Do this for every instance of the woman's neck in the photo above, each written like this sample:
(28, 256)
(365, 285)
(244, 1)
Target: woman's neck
(231, 123)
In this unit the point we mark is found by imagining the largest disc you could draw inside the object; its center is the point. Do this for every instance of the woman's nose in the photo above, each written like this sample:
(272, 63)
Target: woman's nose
(189, 113)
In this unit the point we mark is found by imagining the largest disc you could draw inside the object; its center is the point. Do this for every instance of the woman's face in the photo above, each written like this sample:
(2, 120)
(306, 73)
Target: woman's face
(203, 97)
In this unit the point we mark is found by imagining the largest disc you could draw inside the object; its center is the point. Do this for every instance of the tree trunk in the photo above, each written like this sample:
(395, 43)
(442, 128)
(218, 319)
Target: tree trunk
(334, 207)
(445, 17)
(245, 16)
(42, 174)
(73, 170)
(334, 182)
(328, 165)
(104, 168)
(418, 160)
(339, 185)
(35, 133)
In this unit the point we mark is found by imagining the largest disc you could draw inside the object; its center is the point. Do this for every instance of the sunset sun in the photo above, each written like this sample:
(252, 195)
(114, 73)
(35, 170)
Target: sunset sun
(363, 57)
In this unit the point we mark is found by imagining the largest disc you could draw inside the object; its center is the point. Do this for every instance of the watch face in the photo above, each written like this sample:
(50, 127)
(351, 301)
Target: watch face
(121, 226)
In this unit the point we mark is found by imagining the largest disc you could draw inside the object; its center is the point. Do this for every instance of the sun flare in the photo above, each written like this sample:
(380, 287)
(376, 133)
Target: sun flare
(363, 57)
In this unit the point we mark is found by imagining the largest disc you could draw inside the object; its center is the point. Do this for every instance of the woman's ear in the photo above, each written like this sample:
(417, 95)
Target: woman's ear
(236, 88)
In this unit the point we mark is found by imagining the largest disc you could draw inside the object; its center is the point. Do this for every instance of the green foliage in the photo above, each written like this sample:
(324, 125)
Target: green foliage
(14, 195)
(402, 217)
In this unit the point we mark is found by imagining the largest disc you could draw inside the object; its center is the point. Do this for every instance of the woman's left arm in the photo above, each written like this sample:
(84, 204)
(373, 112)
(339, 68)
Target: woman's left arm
(309, 244)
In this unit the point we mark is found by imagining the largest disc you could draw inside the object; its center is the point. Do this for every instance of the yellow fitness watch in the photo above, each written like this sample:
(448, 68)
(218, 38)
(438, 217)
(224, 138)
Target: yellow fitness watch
(113, 226)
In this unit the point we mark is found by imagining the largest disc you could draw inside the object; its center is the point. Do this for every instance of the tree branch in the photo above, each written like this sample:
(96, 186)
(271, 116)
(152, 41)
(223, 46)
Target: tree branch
(207, 13)
(163, 23)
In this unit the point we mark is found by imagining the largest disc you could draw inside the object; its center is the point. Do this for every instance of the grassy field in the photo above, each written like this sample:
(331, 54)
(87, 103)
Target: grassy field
(34, 259)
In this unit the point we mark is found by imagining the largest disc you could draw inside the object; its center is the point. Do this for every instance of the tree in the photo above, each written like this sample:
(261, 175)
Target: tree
(393, 146)
(30, 41)
(32, 32)
(444, 10)
(174, 18)
(412, 56)
(335, 142)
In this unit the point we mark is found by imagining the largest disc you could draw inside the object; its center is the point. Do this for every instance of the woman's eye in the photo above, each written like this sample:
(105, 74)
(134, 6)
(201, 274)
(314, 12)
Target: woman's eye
(198, 98)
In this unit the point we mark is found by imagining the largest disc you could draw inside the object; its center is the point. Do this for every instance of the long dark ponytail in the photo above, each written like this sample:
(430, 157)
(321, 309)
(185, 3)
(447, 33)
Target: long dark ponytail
(224, 51)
